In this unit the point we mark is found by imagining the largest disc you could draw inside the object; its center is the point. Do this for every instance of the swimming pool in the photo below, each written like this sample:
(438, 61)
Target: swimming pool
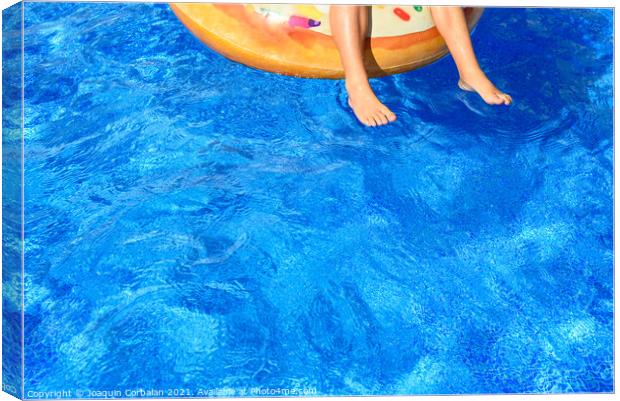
(193, 225)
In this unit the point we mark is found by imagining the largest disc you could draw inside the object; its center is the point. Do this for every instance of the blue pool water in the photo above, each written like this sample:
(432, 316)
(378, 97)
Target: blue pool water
(194, 224)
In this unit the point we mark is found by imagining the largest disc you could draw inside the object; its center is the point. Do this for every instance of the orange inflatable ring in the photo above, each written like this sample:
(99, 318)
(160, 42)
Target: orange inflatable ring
(294, 39)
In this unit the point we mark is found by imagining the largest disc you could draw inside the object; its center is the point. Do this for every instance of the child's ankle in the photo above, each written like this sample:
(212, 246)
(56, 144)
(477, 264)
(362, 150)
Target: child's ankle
(352, 84)
(471, 75)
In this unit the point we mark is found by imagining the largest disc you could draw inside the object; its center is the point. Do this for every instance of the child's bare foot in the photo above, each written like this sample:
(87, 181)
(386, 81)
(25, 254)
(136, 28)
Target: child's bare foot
(479, 83)
(367, 108)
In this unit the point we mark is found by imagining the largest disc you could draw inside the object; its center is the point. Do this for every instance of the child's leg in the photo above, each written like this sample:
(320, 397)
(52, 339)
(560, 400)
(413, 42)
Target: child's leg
(451, 24)
(348, 26)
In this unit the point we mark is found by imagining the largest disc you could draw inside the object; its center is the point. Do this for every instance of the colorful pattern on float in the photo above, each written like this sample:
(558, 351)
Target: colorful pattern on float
(387, 20)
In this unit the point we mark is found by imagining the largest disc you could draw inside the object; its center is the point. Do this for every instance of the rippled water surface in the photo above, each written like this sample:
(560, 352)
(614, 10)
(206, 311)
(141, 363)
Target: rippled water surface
(192, 223)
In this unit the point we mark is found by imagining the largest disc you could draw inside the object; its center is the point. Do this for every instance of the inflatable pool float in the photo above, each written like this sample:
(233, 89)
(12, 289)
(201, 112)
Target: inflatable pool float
(294, 39)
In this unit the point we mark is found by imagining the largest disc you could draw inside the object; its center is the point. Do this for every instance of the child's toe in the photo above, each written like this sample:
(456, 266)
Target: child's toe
(388, 114)
(497, 99)
(364, 120)
(381, 118)
(377, 120)
(504, 98)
